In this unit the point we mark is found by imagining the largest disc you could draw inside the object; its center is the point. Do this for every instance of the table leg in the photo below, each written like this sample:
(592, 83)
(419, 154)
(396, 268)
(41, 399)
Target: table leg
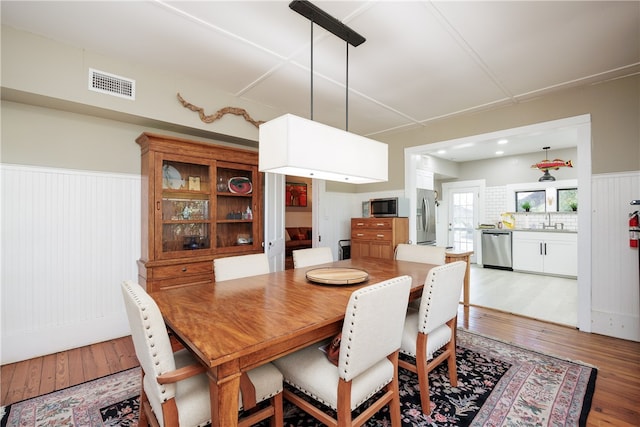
(224, 391)
(466, 257)
(465, 297)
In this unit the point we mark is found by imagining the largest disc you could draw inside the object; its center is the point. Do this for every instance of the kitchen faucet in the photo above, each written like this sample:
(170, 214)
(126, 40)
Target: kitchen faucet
(548, 224)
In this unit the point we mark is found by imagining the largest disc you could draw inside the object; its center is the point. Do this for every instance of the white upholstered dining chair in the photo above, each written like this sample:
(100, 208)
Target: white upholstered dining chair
(433, 326)
(236, 267)
(311, 256)
(425, 254)
(175, 387)
(367, 362)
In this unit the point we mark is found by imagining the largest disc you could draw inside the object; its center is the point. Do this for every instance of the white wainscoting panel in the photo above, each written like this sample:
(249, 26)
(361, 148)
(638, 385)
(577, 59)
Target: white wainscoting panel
(615, 302)
(69, 238)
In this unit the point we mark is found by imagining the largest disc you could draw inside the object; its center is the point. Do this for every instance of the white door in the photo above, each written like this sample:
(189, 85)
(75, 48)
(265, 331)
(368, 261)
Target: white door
(463, 213)
(274, 220)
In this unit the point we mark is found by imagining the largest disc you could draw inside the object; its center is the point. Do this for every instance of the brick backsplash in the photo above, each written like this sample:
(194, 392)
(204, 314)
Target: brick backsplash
(495, 204)
(535, 220)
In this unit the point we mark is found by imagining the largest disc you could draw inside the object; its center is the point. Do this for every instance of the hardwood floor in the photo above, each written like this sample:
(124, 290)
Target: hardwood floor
(615, 403)
(34, 377)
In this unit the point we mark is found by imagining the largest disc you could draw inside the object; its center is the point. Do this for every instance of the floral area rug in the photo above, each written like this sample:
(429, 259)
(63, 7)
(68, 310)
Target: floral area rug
(498, 385)
(82, 405)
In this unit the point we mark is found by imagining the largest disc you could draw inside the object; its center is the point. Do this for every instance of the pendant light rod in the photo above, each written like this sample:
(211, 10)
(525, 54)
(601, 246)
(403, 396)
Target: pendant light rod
(326, 21)
(318, 16)
(346, 119)
(311, 117)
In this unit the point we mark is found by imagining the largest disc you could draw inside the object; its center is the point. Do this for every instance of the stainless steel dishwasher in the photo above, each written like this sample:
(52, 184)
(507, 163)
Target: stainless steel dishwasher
(496, 249)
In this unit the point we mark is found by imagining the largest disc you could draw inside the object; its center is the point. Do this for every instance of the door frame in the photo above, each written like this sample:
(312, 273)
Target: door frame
(274, 217)
(274, 246)
(443, 227)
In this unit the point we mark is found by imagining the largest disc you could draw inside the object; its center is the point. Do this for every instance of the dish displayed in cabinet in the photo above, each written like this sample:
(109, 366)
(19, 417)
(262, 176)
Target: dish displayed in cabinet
(171, 178)
(240, 185)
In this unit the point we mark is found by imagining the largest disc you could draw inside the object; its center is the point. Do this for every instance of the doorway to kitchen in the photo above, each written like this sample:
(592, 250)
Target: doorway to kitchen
(580, 126)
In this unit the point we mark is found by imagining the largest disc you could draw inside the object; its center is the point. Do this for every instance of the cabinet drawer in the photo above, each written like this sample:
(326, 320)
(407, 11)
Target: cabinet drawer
(367, 234)
(190, 269)
(372, 223)
(176, 282)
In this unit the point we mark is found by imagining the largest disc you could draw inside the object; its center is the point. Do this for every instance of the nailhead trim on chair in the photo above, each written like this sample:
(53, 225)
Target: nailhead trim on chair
(368, 289)
(364, 290)
(152, 344)
(258, 400)
(308, 393)
(429, 299)
(428, 302)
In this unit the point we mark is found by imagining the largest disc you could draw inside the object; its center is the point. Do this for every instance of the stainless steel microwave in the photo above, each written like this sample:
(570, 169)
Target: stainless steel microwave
(389, 207)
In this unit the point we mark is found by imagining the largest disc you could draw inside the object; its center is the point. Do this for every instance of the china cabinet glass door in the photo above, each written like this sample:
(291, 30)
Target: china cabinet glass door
(184, 207)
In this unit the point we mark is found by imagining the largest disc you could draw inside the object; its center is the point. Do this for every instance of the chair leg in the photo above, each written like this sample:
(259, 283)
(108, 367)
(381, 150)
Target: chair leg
(343, 414)
(277, 419)
(451, 348)
(423, 373)
(394, 387)
(142, 417)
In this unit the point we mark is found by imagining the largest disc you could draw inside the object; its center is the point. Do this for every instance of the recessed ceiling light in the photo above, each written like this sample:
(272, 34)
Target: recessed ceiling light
(499, 153)
(442, 151)
(503, 141)
(467, 145)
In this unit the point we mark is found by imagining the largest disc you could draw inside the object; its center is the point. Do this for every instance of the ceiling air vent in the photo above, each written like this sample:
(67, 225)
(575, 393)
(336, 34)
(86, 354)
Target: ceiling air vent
(102, 82)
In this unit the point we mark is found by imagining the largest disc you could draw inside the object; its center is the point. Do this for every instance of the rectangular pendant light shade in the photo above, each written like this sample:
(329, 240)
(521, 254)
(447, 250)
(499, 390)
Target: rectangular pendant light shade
(291, 145)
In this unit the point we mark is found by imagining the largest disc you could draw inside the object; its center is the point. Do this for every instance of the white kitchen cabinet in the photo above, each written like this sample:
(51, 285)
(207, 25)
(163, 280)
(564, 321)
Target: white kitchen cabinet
(424, 179)
(554, 253)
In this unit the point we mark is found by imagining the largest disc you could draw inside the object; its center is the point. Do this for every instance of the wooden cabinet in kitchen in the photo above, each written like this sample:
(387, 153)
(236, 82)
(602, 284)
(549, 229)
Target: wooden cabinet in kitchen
(377, 237)
(200, 201)
(554, 253)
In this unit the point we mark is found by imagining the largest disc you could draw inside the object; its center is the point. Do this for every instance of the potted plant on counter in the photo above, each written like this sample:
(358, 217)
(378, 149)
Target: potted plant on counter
(526, 206)
(573, 206)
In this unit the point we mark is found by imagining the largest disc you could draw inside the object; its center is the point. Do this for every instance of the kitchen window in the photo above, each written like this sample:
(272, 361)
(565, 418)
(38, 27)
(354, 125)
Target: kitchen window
(547, 200)
(567, 198)
(536, 200)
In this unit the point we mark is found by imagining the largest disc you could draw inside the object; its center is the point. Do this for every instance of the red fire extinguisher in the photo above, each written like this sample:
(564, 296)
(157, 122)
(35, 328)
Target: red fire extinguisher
(634, 229)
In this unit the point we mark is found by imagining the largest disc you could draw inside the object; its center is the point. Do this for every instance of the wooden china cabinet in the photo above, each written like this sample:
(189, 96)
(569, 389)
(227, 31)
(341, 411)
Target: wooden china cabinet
(200, 201)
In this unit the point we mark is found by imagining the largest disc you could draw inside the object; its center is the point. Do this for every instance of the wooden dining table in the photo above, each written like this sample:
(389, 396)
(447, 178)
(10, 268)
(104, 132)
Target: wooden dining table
(236, 325)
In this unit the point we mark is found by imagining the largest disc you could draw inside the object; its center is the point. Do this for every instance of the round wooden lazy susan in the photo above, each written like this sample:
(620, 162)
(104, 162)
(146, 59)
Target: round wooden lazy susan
(337, 275)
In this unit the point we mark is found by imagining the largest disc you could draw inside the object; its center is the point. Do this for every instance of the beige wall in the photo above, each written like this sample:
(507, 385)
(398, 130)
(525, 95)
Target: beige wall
(39, 136)
(51, 137)
(515, 169)
(615, 117)
(54, 72)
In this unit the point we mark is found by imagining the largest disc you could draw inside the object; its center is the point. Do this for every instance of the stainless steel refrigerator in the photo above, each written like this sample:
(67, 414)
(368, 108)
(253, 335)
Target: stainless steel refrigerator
(426, 217)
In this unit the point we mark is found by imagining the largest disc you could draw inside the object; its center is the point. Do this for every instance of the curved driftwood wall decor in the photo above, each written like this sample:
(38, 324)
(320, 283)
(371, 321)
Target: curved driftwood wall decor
(218, 114)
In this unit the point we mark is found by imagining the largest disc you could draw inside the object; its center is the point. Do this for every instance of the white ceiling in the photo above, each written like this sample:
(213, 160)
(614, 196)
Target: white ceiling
(422, 61)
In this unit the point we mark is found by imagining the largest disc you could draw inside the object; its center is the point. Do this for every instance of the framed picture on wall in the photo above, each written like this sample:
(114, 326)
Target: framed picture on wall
(296, 194)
